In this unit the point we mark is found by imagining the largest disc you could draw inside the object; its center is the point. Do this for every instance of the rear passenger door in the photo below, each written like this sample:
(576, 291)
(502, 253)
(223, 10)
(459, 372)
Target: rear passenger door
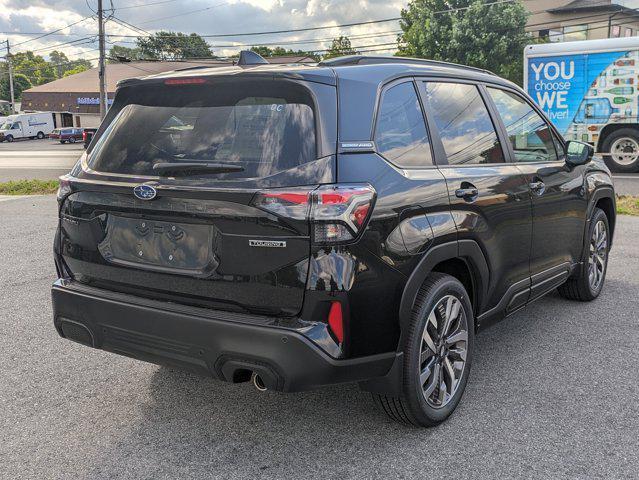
(557, 190)
(490, 199)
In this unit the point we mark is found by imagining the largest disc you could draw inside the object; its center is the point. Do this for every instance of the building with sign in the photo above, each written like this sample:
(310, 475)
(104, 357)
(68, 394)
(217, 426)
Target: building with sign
(75, 99)
(572, 20)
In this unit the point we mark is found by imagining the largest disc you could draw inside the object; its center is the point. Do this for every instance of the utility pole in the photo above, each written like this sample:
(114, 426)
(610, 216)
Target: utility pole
(101, 62)
(13, 107)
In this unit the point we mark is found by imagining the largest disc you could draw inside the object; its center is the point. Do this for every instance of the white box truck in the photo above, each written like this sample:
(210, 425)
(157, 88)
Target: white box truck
(589, 90)
(27, 125)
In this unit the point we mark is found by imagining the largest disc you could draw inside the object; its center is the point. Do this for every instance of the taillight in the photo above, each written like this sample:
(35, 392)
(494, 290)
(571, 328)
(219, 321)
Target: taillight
(84, 136)
(64, 188)
(337, 213)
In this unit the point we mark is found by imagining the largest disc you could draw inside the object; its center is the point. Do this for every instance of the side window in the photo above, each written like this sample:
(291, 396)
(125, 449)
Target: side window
(531, 137)
(561, 151)
(464, 125)
(400, 134)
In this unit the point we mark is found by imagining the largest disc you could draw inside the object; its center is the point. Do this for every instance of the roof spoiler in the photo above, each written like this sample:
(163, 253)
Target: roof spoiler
(248, 58)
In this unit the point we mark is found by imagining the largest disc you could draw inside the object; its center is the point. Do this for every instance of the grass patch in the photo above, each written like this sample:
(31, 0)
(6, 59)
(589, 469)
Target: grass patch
(627, 205)
(28, 187)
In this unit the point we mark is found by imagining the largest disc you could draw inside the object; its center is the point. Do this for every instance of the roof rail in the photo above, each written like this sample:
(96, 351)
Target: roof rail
(372, 60)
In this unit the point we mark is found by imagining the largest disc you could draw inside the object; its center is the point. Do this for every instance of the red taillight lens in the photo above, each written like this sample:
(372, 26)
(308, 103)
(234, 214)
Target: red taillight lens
(289, 203)
(337, 213)
(336, 321)
(84, 136)
(184, 81)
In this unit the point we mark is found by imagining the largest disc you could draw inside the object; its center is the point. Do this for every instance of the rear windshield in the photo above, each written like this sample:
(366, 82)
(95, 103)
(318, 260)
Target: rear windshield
(263, 127)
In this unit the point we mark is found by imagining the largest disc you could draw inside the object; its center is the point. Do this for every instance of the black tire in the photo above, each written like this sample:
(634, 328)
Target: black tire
(40, 135)
(412, 406)
(579, 287)
(71, 140)
(62, 142)
(615, 138)
(9, 138)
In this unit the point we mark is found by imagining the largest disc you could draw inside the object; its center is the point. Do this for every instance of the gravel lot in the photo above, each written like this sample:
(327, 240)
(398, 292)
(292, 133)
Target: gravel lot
(554, 393)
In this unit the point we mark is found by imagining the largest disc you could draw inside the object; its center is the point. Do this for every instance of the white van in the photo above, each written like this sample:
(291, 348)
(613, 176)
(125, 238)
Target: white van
(27, 125)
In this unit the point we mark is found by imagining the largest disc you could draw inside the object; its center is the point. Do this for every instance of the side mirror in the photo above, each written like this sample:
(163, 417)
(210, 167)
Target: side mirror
(578, 153)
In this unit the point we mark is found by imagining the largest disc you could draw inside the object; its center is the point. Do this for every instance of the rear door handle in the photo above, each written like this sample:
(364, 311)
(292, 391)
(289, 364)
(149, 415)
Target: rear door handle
(468, 192)
(537, 187)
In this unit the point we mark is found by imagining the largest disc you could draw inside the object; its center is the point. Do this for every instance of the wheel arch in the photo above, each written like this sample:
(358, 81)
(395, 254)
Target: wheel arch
(463, 260)
(603, 198)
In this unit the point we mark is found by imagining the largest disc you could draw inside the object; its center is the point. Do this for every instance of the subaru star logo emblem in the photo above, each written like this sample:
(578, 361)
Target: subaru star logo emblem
(145, 192)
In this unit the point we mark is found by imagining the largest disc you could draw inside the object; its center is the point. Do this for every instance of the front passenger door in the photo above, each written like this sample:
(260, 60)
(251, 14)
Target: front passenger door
(558, 195)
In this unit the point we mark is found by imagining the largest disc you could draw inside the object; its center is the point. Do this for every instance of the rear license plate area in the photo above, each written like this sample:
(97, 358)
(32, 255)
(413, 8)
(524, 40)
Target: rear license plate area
(171, 247)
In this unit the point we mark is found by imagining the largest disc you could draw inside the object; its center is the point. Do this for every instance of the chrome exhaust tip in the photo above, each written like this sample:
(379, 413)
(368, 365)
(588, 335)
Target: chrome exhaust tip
(259, 383)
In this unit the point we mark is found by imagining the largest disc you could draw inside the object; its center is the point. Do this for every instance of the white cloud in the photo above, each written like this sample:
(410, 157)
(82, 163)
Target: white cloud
(230, 17)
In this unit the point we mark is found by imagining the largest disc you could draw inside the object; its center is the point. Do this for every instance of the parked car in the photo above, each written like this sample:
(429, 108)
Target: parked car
(87, 136)
(354, 221)
(26, 125)
(69, 134)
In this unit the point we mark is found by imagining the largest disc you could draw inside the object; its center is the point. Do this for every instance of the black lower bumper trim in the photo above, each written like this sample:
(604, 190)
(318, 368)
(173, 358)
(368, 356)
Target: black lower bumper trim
(227, 349)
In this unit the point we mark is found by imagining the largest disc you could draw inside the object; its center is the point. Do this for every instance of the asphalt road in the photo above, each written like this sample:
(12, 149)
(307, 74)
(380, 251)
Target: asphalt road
(37, 159)
(554, 393)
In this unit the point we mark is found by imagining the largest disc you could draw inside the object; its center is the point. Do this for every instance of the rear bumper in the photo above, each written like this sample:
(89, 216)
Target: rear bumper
(225, 345)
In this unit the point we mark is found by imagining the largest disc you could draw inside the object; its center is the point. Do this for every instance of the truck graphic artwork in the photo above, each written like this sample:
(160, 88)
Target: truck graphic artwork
(589, 90)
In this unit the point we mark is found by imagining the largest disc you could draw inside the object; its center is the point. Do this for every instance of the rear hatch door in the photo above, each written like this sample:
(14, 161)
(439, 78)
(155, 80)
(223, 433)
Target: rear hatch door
(168, 203)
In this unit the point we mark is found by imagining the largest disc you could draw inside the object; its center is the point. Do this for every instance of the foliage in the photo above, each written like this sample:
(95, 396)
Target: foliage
(20, 83)
(35, 67)
(339, 47)
(485, 36)
(73, 71)
(165, 45)
(30, 70)
(28, 187)
(117, 52)
(281, 51)
(63, 65)
(627, 205)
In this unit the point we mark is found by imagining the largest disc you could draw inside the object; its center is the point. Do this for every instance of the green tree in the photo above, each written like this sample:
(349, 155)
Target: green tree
(117, 53)
(59, 61)
(34, 67)
(173, 45)
(339, 47)
(281, 51)
(20, 83)
(485, 36)
(76, 69)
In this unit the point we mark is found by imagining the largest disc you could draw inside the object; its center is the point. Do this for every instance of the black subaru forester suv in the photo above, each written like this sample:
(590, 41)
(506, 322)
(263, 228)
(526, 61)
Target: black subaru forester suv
(358, 220)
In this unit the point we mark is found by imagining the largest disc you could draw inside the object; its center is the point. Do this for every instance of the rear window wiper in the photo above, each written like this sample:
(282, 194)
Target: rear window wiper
(186, 168)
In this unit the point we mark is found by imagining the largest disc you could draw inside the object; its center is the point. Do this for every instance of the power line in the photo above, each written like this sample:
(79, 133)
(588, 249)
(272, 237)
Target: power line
(55, 31)
(185, 13)
(70, 42)
(289, 42)
(146, 4)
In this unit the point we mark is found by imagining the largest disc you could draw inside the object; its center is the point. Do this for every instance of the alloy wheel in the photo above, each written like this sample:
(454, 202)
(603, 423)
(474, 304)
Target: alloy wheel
(598, 255)
(443, 351)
